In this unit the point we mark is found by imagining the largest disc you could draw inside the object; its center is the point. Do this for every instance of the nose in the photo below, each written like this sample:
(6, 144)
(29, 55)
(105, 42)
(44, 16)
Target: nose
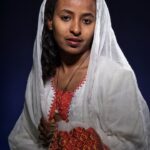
(75, 28)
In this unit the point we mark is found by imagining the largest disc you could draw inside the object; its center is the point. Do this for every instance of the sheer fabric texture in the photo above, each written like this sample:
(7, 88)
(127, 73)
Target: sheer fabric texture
(109, 101)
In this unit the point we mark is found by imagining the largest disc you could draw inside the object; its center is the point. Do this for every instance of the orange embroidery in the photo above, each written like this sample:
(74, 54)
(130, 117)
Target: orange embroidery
(61, 104)
(78, 138)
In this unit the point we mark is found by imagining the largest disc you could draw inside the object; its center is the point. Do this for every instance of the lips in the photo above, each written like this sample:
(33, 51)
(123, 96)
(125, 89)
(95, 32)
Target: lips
(73, 42)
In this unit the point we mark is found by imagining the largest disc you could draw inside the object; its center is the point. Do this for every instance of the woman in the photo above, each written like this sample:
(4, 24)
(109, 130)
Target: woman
(80, 84)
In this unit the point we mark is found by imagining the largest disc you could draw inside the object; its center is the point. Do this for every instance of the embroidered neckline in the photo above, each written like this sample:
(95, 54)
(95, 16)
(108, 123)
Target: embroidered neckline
(64, 105)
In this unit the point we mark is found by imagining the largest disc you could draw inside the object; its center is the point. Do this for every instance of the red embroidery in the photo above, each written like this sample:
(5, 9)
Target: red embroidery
(78, 138)
(61, 102)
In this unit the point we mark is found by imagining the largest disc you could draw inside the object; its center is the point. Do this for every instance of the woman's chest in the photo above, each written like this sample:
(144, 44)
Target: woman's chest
(68, 104)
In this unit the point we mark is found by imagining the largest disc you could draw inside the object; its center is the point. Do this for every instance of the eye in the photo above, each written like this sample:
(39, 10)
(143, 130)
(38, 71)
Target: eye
(87, 21)
(66, 18)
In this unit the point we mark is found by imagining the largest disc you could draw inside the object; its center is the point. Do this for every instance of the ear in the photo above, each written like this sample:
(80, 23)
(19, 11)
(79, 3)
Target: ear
(49, 24)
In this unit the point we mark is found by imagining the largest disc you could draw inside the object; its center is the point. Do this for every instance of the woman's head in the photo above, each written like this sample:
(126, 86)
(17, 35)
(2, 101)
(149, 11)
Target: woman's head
(73, 25)
(69, 26)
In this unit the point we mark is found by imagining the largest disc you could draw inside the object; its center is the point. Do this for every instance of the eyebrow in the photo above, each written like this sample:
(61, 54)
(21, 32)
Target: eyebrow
(84, 14)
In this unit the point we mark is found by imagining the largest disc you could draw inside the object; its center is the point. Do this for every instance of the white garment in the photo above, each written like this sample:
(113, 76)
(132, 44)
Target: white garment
(110, 100)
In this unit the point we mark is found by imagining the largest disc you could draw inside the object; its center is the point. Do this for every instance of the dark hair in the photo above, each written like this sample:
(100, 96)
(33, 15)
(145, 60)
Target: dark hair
(50, 58)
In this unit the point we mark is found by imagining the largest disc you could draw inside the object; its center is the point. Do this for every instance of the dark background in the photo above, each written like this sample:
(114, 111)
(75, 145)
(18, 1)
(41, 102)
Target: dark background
(18, 21)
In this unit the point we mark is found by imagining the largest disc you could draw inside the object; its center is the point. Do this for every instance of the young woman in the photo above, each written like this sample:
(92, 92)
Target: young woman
(81, 92)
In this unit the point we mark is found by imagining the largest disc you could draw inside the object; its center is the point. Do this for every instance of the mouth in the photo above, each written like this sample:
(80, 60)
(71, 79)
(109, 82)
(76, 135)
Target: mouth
(73, 42)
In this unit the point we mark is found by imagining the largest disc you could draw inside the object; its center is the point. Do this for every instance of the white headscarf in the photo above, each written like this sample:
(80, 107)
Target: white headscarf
(104, 44)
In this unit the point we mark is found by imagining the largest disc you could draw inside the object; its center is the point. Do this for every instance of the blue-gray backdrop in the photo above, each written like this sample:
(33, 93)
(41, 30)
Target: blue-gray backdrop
(18, 23)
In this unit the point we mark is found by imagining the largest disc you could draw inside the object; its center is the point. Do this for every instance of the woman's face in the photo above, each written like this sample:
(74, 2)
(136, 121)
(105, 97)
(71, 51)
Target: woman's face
(73, 25)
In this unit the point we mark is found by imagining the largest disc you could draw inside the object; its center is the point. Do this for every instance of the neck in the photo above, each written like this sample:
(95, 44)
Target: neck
(69, 62)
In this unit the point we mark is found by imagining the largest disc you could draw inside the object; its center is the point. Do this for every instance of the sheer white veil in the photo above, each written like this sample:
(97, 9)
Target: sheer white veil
(104, 44)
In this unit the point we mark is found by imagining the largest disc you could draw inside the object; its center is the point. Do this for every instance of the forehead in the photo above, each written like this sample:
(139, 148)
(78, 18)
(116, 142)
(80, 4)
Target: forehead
(77, 5)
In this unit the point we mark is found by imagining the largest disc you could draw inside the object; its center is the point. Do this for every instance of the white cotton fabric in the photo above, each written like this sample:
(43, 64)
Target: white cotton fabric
(109, 100)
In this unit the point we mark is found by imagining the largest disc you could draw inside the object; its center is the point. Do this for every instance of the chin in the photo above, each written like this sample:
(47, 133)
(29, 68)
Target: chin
(74, 51)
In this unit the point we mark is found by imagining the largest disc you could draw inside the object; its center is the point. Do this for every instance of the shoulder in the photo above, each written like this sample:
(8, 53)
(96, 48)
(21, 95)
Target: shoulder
(119, 91)
(119, 88)
(110, 71)
(107, 64)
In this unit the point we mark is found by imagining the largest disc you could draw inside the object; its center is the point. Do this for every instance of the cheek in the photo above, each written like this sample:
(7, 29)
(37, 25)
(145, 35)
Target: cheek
(59, 28)
(59, 35)
(89, 33)
(57, 32)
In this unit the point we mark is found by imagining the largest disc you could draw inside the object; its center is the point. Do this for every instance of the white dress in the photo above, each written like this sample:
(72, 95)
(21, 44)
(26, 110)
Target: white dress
(110, 101)
(115, 108)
